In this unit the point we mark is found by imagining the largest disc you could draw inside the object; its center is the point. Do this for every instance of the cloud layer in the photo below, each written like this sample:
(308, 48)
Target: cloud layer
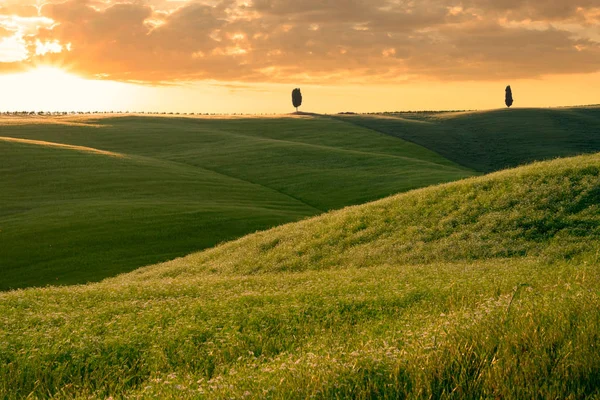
(318, 41)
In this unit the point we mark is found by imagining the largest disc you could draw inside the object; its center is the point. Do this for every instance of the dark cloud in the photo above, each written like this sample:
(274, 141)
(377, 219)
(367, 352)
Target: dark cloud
(323, 40)
(494, 51)
(536, 10)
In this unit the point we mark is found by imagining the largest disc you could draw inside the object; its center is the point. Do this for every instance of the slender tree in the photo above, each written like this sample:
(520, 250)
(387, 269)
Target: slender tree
(296, 98)
(508, 98)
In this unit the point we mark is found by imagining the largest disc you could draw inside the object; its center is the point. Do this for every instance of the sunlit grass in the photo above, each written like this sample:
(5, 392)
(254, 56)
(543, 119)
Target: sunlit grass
(487, 288)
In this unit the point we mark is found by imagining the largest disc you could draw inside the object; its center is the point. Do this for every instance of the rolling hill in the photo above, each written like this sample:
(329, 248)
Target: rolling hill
(484, 288)
(84, 198)
(488, 141)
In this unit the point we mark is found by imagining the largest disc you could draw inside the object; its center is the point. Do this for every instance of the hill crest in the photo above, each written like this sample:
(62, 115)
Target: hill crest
(547, 209)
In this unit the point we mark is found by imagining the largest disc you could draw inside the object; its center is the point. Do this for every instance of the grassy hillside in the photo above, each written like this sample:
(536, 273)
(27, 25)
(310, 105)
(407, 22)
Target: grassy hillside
(493, 140)
(484, 288)
(82, 199)
(73, 216)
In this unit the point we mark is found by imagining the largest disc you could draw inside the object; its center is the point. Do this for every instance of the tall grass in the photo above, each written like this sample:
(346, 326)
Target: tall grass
(421, 295)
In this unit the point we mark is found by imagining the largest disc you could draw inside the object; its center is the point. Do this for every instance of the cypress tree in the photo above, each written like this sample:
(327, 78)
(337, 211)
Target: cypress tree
(296, 98)
(508, 98)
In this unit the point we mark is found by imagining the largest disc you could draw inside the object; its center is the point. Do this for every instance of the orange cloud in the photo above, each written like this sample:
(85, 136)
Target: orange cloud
(17, 9)
(5, 32)
(305, 41)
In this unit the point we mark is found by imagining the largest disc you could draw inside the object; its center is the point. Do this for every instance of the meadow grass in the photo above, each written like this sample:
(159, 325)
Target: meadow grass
(484, 288)
(82, 199)
(492, 140)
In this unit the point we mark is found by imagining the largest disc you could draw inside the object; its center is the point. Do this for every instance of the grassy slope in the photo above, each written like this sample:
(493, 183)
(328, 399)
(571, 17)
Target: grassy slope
(492, 140)
(70, 216)
(482, 288)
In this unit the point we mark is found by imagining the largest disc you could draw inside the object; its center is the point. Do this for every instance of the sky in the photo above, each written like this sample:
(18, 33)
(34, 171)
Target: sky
(246, 56)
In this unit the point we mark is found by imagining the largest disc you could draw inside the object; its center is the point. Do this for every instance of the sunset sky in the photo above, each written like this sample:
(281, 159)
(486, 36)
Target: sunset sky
(248, 55)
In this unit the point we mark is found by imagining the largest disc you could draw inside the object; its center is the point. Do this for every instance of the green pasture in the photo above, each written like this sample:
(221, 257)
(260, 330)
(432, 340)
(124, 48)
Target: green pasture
(484, 288)
(492, 140)
(177, 185)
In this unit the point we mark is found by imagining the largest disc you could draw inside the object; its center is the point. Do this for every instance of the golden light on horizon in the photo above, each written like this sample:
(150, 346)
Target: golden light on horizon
(195, 56)
(52, 88)
(49, 75)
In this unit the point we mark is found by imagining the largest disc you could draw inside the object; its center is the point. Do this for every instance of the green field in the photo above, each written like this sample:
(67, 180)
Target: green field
(176, 185)
(493, 140)
(484, 288)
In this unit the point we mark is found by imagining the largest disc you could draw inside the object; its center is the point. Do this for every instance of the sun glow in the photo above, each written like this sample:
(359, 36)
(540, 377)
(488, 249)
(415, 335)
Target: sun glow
(50, 77)
(48, 88)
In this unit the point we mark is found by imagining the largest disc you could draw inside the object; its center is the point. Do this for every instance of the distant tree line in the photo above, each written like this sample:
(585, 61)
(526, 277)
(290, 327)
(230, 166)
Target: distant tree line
(58, 113)
(296, 102)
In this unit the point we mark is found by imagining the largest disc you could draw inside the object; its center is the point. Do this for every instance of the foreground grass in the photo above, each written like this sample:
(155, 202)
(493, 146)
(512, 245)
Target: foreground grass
(86, 199)
(493, 140)
(482, 288)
